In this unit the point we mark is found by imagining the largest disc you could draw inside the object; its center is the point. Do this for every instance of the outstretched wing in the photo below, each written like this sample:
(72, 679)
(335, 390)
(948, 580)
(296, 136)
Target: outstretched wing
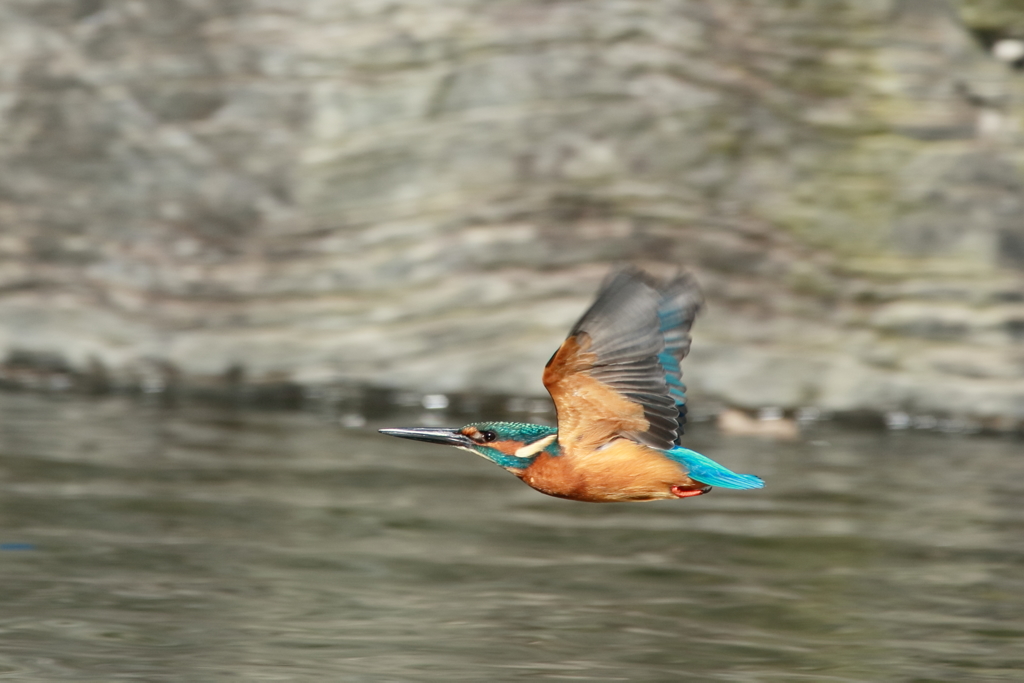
(617, 374)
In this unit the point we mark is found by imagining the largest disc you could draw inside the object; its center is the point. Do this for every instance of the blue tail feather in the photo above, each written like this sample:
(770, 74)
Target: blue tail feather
(707, 471)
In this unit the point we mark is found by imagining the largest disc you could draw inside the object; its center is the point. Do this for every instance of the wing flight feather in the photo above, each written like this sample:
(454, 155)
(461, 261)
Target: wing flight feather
(617, 373)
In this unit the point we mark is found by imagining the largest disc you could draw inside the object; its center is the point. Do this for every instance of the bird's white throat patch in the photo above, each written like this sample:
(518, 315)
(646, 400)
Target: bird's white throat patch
(536, 447)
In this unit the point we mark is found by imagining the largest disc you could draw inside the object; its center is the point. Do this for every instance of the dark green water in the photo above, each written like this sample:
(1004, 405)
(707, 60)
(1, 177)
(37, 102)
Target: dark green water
(200, 544)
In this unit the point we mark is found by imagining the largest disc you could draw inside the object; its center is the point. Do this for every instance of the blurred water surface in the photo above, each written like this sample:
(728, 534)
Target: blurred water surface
(204, 544)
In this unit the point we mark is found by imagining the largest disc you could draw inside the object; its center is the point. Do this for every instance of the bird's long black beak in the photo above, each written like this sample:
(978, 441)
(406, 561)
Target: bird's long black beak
(449, 437)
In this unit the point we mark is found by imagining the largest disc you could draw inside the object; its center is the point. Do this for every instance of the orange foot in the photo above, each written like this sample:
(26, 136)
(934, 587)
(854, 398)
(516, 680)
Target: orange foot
(681, 492)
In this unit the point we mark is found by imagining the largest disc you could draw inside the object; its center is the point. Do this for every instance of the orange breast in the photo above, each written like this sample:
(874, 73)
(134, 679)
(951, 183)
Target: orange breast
(621, 471)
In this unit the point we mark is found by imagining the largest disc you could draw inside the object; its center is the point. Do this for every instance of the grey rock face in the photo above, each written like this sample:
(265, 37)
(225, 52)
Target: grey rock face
(426, 194)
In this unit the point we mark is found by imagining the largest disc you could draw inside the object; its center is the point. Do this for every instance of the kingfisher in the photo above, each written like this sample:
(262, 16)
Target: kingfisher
(619, 401)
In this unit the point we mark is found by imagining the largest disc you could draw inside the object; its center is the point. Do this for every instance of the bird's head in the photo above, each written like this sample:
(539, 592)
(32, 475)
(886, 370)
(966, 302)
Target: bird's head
(512, 445)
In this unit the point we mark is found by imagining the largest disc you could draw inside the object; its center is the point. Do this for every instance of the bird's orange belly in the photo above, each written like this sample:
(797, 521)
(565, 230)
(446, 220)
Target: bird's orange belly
(620, 471)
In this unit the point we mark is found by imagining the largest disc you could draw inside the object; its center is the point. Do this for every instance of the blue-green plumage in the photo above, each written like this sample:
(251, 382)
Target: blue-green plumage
(513, 433)
(707, 471)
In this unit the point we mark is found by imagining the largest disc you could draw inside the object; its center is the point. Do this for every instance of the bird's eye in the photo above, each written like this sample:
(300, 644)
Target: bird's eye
(487, 436)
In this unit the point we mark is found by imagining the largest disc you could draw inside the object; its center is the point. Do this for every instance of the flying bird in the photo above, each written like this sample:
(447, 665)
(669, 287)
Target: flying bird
(620, 403)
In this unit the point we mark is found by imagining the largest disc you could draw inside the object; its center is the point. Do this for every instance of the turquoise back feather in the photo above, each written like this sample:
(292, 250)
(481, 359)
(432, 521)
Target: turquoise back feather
(675, 342)
(707, 471)
(680, 300)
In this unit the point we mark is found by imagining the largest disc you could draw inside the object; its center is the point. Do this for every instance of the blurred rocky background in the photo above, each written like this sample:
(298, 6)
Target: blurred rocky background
(424, 194)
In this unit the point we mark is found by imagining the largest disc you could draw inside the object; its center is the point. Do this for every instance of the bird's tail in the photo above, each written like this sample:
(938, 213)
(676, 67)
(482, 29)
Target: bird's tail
(707, 471)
